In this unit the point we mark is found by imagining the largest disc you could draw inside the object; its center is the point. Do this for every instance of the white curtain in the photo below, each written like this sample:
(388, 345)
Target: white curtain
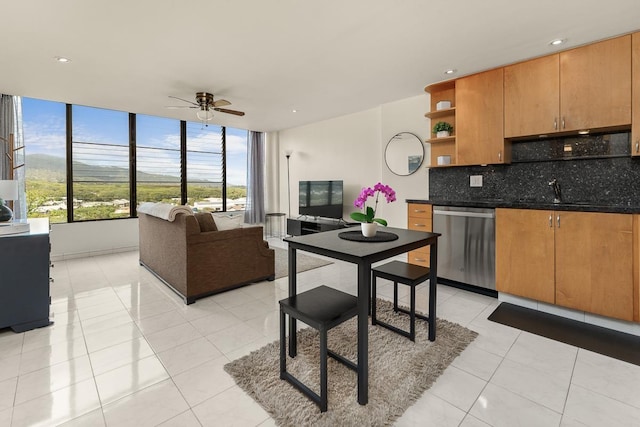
(12, 161)
(254, 210)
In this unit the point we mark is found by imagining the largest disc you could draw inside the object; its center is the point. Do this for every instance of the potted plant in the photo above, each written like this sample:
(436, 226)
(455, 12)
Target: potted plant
(368, 217)
(442, 129)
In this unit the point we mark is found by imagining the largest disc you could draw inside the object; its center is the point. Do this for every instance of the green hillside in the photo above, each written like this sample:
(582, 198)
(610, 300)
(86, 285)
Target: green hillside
(43, 167)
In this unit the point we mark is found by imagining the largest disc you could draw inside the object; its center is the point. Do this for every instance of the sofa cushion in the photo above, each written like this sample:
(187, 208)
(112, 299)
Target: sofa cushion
(205, 221)
(228, 222)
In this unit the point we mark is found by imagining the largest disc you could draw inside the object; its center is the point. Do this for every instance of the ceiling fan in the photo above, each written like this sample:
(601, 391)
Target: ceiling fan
(206, 105)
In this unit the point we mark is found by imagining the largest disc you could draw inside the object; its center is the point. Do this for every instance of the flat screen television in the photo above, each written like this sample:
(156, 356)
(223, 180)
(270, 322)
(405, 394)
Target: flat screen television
(320, 198)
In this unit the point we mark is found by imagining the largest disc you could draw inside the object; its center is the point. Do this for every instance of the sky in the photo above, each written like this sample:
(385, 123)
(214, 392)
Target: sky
(44, 133)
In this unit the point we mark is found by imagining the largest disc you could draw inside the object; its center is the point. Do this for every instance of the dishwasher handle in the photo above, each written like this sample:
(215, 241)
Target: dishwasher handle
(466, 214)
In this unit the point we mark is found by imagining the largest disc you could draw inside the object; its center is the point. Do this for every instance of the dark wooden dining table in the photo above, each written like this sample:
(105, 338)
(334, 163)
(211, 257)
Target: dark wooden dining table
(363, 254)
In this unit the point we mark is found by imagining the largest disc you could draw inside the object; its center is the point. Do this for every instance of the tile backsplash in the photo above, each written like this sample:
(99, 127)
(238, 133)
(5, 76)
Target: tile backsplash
(595, 169)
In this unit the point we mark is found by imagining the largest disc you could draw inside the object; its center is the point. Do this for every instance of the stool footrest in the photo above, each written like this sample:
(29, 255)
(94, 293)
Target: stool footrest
(315, 397)
(346, 362)
(393, 328)
(405, 311)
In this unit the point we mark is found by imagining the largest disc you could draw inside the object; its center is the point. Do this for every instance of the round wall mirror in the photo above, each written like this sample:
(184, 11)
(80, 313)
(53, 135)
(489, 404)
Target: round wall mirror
(404, 153)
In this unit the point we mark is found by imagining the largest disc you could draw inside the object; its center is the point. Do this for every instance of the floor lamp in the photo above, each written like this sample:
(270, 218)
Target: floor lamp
(288, 154)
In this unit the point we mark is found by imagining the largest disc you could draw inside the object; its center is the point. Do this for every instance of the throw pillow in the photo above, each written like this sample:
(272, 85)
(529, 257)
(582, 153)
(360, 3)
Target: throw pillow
(228, 222)
(205, 221)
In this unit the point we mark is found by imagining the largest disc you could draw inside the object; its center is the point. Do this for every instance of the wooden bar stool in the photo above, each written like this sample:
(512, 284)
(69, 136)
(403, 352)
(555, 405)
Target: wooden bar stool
(322, 308)
(407, 274)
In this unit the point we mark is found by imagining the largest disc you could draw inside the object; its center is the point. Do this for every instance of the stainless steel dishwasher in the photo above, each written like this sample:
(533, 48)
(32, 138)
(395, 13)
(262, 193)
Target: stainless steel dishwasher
(467, 248)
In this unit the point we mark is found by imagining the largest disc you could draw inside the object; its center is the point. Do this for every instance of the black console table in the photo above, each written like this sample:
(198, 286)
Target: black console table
(24, 278)
(302, 226)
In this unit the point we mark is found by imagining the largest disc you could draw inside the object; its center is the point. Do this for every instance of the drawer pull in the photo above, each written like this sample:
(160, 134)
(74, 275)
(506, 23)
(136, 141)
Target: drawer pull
(420, 259)
(419, 225)
(418, 211)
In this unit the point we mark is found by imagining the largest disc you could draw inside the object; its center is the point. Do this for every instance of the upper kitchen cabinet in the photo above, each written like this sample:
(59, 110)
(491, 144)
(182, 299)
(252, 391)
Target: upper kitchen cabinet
(635, 98)
(532, 97)
(595, 85)
(480, 119)
(580, 89)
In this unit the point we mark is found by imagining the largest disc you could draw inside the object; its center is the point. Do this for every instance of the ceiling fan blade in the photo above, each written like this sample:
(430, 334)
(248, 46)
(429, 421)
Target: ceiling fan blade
(234, 112)
(190, 102)
(175, 107)
(221, 103)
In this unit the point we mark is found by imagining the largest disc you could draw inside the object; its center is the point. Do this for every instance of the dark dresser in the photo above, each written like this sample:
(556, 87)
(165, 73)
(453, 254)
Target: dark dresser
(24, 278)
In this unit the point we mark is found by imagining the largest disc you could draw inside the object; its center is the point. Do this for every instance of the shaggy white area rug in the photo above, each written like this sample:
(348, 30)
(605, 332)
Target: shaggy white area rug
(399, 372)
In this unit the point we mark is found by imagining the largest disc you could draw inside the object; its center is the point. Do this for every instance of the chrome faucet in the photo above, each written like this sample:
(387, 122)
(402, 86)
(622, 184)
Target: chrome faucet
(556, 190)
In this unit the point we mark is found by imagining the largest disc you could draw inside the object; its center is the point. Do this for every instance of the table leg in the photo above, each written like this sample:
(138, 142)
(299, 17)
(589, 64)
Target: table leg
(364, 284)
(293, 348)
(433, 286)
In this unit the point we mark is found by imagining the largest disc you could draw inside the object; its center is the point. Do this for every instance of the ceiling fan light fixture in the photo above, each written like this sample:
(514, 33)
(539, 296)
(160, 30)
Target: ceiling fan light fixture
(205, 115)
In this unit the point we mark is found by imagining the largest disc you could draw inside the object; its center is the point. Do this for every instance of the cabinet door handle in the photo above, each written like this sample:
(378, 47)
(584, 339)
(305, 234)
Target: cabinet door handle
(558, 221)
(563, 123)
(550, 221)
(500, 155)
(638, 146)
(555, 123)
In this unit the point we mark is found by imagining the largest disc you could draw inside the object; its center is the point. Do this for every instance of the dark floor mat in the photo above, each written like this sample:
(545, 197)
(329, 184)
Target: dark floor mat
(621, 346)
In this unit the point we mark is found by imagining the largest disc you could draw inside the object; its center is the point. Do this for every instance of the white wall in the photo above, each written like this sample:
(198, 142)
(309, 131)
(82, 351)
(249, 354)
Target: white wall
(93, 238)
(406, 115)
(351, 148)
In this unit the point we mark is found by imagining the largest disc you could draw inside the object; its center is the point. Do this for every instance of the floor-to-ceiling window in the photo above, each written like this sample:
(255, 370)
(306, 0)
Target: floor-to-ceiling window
(100, 168)
(205, 167)
(44, 125)
(158, 167)
(236, 149)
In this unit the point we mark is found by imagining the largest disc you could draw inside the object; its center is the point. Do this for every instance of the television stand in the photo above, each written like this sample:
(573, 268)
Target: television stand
(310, 225)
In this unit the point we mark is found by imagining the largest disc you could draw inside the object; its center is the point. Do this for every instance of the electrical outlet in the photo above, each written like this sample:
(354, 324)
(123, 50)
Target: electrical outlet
(475, 181)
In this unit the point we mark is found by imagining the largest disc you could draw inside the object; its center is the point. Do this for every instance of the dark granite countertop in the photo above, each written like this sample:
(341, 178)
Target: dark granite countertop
(585, 206)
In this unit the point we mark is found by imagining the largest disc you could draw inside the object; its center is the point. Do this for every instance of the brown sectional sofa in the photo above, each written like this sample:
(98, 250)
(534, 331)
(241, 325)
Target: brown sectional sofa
(197, 263)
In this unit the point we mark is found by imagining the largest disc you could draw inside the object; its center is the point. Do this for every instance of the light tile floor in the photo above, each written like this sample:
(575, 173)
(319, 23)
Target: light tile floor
(124, 350)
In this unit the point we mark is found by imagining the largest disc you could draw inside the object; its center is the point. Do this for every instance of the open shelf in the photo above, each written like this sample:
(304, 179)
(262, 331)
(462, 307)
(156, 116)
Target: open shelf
(441, 113)
(441, 140)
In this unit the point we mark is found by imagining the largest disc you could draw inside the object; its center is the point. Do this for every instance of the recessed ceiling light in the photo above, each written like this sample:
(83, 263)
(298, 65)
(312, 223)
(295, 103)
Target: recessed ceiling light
(62, 59)
(557, 42)
(294, 111)
(450, 71)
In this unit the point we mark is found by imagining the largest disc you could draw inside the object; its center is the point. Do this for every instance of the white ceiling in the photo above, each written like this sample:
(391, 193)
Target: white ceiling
(323, 58)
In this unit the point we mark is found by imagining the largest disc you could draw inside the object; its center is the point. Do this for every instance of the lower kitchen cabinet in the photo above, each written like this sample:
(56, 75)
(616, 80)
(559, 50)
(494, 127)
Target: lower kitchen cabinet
(419, 217)
(525, 261)
(579, 260)
(594, 263)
